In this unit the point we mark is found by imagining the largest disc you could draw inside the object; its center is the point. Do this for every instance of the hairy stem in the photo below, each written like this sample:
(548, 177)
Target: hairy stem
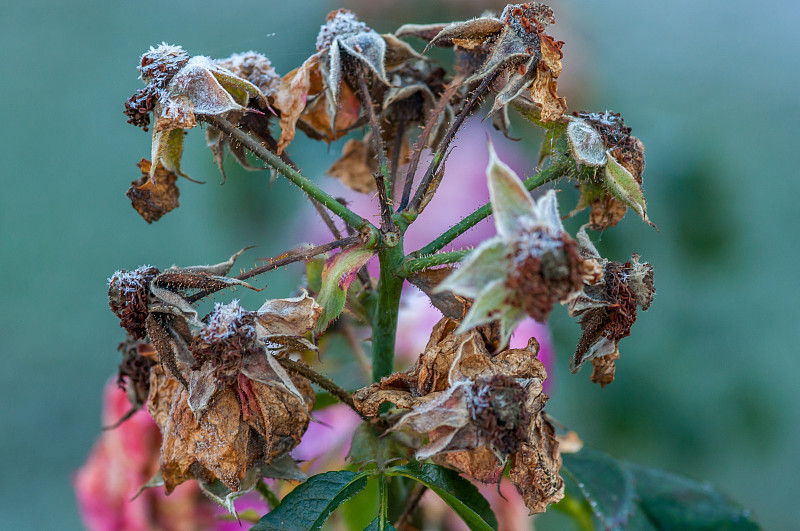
(444, 99)
(387, 225)
(307, 186)
(546, 175)
(384, 321)
(324, 382)
(284, 259)
(443, 146)
(415, 265)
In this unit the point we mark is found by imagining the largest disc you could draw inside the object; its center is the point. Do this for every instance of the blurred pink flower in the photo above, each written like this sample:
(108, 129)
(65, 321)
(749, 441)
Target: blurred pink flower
(327, 440)
(121, 461)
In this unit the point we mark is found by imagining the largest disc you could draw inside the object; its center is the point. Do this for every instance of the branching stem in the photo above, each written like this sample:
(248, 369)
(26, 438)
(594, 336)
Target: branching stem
(307, 186)
(443, 146)
(546, 175)
(324, 382)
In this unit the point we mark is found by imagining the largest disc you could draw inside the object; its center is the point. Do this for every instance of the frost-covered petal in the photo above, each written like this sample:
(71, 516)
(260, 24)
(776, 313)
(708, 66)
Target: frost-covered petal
(485, 264)
(197, 81)
(586, 143)
(547, 208)
(468, 34)
(510, 199)
(202, 386)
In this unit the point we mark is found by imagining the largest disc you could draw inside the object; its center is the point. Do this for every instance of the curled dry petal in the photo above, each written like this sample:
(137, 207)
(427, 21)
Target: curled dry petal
(152, 198)
(535, 467)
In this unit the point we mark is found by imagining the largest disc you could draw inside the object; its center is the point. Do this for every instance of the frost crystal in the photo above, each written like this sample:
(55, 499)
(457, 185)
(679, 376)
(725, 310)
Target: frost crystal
(224, 321)
(130, 281)
(343, 22)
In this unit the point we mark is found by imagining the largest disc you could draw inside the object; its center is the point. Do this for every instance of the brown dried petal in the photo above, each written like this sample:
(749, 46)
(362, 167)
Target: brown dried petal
(368, 400)
(217, 441)
(291, 96)
(354, 168)
(604, 368)
(291, 317)
(164, 390)
(479, 463)
(450, 304)
(606, 212)
(543, 92)
(535, 467)
(153, 200)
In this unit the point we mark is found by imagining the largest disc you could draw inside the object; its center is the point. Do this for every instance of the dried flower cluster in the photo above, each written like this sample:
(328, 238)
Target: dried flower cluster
(229, 391)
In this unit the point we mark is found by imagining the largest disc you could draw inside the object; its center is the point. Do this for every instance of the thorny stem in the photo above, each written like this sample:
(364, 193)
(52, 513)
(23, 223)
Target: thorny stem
(415, 265)
(546, 175)
(284, 259)
(398, 147)
(325, 383)
(423, 139)
(383, 497)
(387, 225)
(307, 186)
(411, 503)
(443, 146)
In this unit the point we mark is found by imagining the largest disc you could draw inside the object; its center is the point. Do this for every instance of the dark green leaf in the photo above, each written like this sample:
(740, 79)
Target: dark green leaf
(371, 446)
(605, 483)
(308, 506)
(461, 495)
(628, 496)
(375, 525)
(670, 501)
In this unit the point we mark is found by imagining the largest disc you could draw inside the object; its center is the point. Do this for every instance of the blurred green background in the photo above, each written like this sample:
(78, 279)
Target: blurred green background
(708, 383)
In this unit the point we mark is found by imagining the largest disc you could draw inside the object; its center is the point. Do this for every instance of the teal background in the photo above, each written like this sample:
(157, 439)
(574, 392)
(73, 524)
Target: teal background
(707, 384)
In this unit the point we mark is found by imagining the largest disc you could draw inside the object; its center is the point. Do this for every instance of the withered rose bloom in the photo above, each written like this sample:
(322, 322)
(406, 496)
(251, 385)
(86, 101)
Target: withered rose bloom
(530, 265)
(152, 305)
(242, 410)
(603, 144)
(322, 96)
(607, 310)
(512, 50)
(478, 410)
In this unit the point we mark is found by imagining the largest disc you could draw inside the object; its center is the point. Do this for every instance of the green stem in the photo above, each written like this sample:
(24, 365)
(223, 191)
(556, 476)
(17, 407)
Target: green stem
(383, 496)
(307, 186)
(270, 497)
(415, 265)
(548, 174)
(384, 321)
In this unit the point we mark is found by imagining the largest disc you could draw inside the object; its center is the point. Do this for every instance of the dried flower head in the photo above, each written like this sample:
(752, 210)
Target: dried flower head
(180, 88)
(602, 143)
(478, 410)
(513, 50)
(607, 310)
(526, 269)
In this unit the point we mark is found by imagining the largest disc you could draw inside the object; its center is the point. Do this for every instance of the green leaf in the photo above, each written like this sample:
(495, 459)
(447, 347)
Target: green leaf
(670, 501)
(630, 496)
(461, 495)
(308, 506)
(371, 446)
(605, 483)
(375, 525)
(337, 275)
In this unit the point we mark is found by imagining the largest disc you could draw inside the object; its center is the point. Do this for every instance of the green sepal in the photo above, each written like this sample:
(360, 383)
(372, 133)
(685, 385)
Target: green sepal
(337, 275)
(309, 505)
(623, 186)
(461, 495)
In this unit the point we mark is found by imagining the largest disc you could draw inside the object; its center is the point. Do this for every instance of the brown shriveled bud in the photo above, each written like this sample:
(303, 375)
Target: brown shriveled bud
(607, 310)
(544, 273)
(255, 68)
(157, 67)
(128, 293)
